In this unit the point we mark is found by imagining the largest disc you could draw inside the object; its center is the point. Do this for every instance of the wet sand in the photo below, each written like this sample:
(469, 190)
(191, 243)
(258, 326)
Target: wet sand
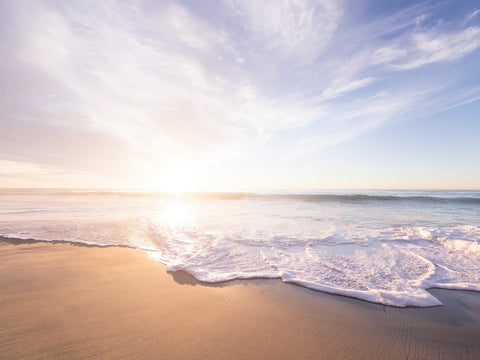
(66, 301)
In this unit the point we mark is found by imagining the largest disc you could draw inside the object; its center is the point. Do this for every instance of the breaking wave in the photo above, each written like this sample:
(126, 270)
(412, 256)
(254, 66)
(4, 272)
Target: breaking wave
(386, 249)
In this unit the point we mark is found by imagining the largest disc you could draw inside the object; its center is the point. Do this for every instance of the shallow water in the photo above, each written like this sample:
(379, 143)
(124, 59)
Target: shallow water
(386, 247)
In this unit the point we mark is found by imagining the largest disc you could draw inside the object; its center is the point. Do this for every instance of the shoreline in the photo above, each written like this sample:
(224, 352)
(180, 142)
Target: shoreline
(20, 241)
(69, 300)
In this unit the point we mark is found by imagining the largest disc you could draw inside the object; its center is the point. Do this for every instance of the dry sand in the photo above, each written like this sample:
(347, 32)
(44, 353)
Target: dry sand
(65, 301)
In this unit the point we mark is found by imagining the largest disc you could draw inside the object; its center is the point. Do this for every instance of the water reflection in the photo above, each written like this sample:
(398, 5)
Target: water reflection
(176, 214)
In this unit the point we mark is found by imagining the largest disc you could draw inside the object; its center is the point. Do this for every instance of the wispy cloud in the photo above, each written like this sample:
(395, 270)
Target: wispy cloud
(296, 31)
(178, 81)
(433, 47)
(472, 15)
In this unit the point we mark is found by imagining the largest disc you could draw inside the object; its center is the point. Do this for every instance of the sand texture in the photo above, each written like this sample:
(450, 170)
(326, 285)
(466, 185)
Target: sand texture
(65, 301)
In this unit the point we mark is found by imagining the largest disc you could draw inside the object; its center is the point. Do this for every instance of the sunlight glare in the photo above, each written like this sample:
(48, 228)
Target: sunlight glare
(176, 214)
(178, 179)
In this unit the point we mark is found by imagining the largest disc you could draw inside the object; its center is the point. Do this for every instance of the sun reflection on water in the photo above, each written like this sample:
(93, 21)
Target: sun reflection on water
(176, 214)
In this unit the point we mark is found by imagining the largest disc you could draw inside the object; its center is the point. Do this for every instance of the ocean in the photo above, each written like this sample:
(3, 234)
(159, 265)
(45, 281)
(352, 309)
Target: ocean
(386, 247)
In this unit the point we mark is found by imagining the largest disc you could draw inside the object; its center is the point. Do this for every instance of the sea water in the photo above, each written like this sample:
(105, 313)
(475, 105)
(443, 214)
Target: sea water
(386, 247)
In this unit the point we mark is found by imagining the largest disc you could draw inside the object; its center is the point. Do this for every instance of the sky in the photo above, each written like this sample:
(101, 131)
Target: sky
(240, 95)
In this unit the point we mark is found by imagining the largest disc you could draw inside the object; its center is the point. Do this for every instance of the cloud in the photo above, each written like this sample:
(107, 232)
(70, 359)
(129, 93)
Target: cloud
(104, 72)
(293, 30)
(432, 47)
(8, 167)
(472, 15)
(343, 87)
(156, 88)
(150, 83)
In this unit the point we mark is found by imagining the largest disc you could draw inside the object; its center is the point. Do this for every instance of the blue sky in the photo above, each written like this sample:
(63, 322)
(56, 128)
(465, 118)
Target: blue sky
(240, 95)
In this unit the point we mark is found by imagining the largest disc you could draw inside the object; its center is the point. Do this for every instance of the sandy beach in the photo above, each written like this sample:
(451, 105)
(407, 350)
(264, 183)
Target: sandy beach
(68, 301)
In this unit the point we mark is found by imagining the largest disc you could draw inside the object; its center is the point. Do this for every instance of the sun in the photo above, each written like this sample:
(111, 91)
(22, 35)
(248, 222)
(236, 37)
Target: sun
(179, 178)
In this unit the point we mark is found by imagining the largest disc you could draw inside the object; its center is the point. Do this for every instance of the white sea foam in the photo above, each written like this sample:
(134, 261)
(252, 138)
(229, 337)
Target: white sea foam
(387, 250)
(389, 269)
